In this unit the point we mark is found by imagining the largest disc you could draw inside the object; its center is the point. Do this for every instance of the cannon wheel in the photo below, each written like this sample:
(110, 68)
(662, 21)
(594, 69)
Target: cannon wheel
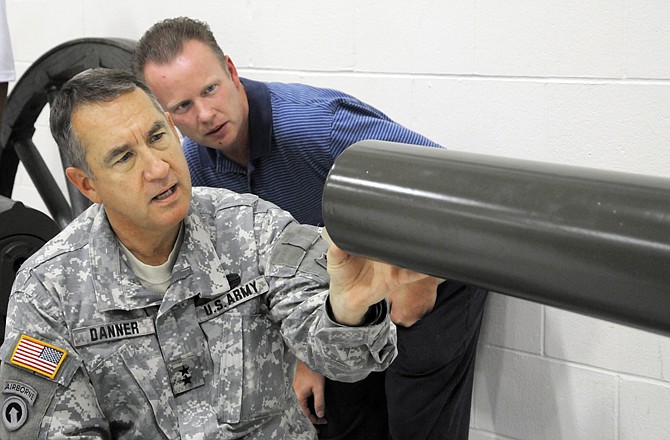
(35, 89)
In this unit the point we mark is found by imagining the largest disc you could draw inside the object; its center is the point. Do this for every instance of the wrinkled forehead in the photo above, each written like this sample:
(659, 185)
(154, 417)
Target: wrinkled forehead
(132, 102)
(131, 114)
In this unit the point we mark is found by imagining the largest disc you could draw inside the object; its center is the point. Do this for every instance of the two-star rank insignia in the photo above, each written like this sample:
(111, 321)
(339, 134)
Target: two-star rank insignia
(185, 374)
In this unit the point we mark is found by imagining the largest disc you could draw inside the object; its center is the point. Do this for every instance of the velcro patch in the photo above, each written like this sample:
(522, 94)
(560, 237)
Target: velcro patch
(299, 248)
(38, 356)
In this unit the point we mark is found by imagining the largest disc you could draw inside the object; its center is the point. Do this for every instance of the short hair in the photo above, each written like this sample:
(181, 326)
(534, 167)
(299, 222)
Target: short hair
(92, 86)
(165, 40)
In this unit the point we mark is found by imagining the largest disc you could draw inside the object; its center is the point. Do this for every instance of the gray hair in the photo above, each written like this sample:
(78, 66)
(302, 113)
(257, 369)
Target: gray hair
(91, 86)
(165, 40)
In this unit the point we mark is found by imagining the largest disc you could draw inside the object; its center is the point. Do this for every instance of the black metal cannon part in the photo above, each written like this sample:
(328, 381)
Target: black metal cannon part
(23, 230)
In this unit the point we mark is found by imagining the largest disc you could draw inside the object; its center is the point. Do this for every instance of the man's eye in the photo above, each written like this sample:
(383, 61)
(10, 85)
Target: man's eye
(181, 108)
(210, 89)
(156, 137)
(126, 157)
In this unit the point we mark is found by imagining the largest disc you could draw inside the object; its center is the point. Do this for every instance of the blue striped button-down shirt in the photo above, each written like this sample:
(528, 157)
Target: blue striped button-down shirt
(296, 132)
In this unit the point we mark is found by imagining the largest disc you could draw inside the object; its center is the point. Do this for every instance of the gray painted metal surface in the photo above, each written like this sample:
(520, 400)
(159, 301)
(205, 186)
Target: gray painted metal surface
(590, 241)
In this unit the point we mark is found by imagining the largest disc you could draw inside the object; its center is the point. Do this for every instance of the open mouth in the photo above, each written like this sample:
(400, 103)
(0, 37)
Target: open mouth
(215, 130)
(165, 194)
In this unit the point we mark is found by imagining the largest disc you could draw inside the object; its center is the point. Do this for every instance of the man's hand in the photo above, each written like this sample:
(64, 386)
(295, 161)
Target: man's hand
(356, 283)
(307, 383)
(411, 302)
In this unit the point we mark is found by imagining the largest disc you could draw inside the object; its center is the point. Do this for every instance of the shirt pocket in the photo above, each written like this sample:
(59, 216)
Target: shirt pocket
(134, 373)
(224, 337)
(248, 355)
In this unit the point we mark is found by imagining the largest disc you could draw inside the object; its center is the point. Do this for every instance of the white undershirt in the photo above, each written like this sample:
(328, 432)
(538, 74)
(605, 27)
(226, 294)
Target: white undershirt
(156, 278)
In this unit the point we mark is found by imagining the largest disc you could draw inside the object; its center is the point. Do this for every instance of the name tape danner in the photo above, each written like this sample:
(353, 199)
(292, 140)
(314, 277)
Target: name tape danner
(111, 331)
(232, 298)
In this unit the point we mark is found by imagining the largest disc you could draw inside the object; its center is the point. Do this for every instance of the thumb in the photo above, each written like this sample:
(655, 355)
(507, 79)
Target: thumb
(336, 256)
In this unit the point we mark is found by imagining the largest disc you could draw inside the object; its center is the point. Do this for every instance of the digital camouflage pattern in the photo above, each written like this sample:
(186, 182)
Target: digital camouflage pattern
(213, 358)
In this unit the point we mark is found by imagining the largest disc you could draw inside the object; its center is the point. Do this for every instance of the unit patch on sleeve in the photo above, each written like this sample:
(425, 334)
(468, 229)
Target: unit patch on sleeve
(20, 389)
(38, 356)
(14, 409)
(14, 413)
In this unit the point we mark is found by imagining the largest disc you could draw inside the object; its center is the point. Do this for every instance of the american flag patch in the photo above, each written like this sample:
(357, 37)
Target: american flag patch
(38, 356)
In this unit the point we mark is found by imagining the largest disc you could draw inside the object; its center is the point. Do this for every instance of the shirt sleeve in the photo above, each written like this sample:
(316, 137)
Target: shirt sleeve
(54, 397)
(296, 269)
(354, 121)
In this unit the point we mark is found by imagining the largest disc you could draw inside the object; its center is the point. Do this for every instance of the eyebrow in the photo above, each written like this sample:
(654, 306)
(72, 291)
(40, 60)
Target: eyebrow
(115, 152)
(158, 126)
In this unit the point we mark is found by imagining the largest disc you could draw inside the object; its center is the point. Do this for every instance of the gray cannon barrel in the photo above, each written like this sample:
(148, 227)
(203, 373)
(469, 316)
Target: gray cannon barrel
(591, 241)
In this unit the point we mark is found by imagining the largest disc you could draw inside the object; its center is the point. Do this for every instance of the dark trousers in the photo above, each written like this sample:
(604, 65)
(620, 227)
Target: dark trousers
(426, 393)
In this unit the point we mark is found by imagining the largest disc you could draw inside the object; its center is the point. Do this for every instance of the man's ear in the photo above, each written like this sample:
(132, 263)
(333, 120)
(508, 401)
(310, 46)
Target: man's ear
(174, 127)
(232, 71)
(83, 182)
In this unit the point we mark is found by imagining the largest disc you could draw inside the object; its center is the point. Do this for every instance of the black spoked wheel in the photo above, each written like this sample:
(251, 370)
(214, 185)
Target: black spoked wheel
(35, 89)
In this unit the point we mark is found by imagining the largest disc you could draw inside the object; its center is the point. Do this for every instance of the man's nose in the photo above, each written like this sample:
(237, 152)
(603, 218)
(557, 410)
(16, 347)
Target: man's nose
(155, 167)
(205, 112)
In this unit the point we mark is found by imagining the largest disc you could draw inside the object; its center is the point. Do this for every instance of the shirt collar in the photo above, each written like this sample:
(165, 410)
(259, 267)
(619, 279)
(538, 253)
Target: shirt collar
(260, 118)
(198, 269)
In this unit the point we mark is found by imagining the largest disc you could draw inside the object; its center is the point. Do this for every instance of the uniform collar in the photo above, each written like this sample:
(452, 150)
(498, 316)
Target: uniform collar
(198, 269)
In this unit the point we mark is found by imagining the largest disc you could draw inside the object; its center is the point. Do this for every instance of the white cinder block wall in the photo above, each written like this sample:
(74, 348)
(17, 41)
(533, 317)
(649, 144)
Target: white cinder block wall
(565, 81)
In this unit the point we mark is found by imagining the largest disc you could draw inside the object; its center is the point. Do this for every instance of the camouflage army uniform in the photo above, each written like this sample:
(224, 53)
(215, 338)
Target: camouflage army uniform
(208, 360)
